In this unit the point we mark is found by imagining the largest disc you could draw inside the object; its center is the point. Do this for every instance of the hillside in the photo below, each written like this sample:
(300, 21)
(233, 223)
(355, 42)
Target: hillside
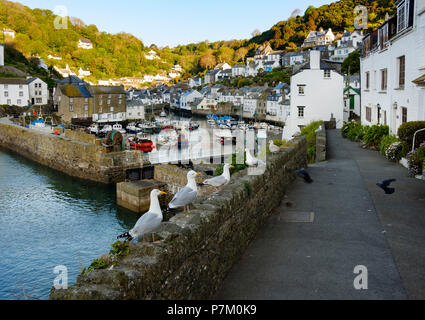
(122, 54)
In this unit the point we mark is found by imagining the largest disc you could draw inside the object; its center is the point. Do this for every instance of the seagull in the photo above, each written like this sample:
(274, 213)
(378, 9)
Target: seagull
(273, 148)
(149, 222)
(384, 185)
(222, 180)
(252, 161)
(185, 196)
(305, 175)
(319, 129)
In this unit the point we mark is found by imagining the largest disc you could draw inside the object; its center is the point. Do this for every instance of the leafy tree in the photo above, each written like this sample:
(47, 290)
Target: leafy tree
(351, 64)
(208, 60)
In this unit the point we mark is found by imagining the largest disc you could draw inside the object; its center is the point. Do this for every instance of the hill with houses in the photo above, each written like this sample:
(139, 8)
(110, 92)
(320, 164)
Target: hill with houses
(89, 53)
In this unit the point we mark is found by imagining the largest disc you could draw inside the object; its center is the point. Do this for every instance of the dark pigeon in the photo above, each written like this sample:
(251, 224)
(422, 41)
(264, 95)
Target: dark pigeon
(384, 185)
(304, 174)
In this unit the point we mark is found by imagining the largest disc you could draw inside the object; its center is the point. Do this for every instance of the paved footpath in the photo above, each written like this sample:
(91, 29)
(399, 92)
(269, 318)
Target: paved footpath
(355, 223)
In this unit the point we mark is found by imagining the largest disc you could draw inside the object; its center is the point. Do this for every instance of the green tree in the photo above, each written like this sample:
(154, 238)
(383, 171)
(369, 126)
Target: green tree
(351, 64)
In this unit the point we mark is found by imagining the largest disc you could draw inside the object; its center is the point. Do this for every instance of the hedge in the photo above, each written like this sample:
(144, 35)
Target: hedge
(407, 131)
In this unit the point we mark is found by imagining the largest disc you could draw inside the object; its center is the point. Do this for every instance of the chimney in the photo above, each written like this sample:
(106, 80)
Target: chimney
(314, 59)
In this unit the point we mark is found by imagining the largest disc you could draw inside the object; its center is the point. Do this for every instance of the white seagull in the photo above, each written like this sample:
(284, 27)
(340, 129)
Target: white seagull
(185, 196)
(273, 148)
(252, 161)
(149, 222)
(222, 180)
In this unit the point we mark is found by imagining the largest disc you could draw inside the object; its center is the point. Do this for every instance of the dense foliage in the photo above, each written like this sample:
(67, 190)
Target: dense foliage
(310, 133)
(353, 131)
(407, 131)
(373, 135)
(122, 54)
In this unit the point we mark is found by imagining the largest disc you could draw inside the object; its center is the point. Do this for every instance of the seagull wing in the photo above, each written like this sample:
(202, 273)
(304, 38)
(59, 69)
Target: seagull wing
(147, 223)
(216, 181)
(184, 197)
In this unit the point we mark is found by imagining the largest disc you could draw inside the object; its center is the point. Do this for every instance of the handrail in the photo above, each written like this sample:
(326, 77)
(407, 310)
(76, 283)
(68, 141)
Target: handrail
(414, 138)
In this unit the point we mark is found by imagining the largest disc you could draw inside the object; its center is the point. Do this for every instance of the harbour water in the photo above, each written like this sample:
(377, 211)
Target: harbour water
(48, 219)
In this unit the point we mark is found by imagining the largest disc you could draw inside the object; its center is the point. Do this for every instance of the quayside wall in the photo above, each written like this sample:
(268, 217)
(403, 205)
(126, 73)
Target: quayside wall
(76, 154)
(195, 251)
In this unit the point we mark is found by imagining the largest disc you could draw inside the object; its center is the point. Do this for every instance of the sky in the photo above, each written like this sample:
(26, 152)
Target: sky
(174, 22)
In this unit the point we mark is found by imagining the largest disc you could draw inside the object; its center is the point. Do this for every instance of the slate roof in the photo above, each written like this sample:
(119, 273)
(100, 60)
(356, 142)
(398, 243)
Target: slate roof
(12, 81)
(107, 90)
(74, 91)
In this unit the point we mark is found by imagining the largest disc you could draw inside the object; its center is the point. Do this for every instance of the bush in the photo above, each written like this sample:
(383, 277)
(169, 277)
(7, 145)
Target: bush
(237, 167)
(415, 163)
(394, 151)
(386, 142)
(310, 133)
(353, 131)
(406, 132)
(373, 135)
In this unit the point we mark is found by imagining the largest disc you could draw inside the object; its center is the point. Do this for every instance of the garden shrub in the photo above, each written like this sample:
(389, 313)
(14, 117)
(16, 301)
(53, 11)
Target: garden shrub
(373, 135)
(394, 151)
(415, 163)
(353, 131)
(386, 142)
(310, 133)
(407, 131)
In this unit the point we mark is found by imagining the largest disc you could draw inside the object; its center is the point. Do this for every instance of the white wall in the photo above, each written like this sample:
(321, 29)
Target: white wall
(322, 98)
(38, 89)
(17, 94)
(1, 55)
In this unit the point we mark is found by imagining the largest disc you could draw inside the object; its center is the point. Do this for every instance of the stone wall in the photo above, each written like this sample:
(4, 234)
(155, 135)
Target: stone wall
(73, 157)
(196, 250)
(321, 145)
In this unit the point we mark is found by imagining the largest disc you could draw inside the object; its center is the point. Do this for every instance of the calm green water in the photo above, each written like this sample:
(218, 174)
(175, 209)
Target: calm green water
(49, 219)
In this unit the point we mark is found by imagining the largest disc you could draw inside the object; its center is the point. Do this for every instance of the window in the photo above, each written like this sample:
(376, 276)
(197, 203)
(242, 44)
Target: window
(301, 90)
(112, 109)
(71, 100)
(86, 107)
(21, 94)
(301, 112)
(378, 115)
(86, 100)
(109, 101)
(6, 87)
(9, 101)
(403, 115)
(6, 94)
(403, 16)
(384, 75)
(100, 101)
(327, 74)
(368, 114)
(21, 86)
(402, 71)
(39, 100)
(19, 102)
(71, 107)
(367, 80)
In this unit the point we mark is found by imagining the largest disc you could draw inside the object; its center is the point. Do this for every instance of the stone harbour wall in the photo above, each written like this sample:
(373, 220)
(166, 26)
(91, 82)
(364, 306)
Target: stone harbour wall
(76, 158)
(195, 251)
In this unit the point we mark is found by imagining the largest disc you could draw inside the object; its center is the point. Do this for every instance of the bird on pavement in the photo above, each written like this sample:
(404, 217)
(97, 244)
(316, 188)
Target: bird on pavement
(385, 185)
(252, 161)
(149, 222)
(305, 175)
(187, 195)
(273, 148)
(222, 180)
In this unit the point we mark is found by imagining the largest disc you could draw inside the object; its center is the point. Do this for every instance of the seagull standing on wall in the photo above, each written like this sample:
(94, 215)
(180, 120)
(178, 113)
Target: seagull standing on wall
(252, 161)
(187, 195)
(149, 222)
(273, 148)
(220, 180)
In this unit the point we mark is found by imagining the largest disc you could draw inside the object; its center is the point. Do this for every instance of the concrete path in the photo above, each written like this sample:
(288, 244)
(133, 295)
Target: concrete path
(355, 223)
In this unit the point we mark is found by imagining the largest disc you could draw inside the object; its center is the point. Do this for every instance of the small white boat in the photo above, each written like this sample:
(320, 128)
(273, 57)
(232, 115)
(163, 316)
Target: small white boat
(106, 129)
(211, 122)
(163, 114)
(94, 129)
(118, 127)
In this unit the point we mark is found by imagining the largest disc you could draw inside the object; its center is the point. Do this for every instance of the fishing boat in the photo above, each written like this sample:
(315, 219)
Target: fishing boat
(118, 127)
(163, 114)
(106, 129)
(133, 129)
(141, 144)
(93, 129)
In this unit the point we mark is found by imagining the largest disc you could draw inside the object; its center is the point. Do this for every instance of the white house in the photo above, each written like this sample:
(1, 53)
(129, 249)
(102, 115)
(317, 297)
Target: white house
(187, 98)
(342, 52)
(274, 104)
(1, 55)
(319, 38)
(54, 57)
(67, 72)
(393, 68)
(223, 66)
(38, 91)
(9, 33)
(43, 65)
(239, 70)
(85, 44)
(83, 72)
(352, 99)
(14, 92)
(354, 38)
(135, 110)
(152, 55)
(316, 94)
(294, 58)
(195, 82)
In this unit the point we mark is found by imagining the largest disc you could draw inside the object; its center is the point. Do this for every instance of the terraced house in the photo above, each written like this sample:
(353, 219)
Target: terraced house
(109, 103)
(73, 102)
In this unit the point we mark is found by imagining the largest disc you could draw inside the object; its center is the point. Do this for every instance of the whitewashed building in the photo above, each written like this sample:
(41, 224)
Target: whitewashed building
(1, 55)
(38, 91)
(316, 94)
(187, 98)
(85, 44)
(319, 38)
(14, 92)
(135, 110)
(393, 68)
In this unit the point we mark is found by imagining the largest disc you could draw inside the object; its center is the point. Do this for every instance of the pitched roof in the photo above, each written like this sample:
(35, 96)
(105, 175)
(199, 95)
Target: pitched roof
(107, 90)
(74, 91)
(13, 81)
(420, 80)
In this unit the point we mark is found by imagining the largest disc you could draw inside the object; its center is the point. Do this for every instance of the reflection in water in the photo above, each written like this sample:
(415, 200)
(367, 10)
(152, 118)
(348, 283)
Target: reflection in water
(47, 219)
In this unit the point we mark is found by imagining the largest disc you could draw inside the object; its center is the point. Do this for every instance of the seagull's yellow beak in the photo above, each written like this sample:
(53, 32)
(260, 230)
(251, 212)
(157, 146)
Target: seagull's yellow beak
(198, 174)
(233, 167)
(162, 193)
